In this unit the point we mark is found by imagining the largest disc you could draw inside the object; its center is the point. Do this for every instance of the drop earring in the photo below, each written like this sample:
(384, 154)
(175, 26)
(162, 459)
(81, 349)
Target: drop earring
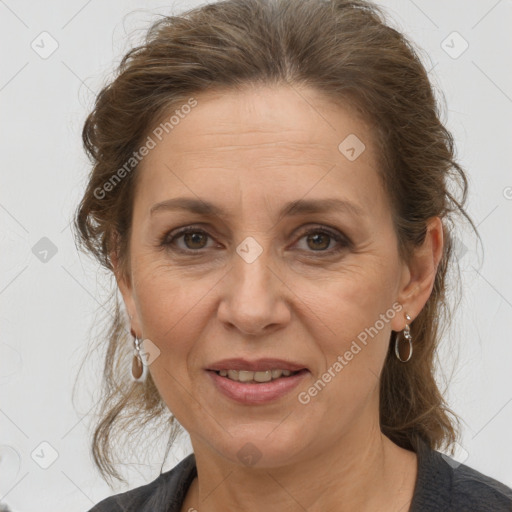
(138, 370)
(407, 337)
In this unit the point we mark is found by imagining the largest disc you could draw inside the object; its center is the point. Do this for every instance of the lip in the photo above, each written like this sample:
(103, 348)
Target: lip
(258, 365)
(256, 393)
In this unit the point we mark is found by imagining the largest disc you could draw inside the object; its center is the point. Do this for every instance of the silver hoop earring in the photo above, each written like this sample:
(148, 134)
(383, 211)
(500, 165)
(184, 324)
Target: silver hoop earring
(408, 338)
(138, 370)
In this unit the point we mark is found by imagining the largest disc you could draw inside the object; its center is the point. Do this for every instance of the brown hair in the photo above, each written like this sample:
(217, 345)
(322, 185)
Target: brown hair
(343, 49)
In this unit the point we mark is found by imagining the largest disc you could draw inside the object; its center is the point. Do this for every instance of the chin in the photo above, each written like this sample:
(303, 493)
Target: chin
(262, 447)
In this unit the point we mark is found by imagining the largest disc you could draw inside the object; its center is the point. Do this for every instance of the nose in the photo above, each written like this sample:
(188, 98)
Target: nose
(255, 297)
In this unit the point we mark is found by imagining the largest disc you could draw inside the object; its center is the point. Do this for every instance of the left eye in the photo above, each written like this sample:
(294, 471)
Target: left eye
(317, 240)
(320, 240)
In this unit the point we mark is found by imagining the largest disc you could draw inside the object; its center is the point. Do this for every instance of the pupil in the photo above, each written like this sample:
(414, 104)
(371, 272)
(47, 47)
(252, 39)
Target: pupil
(316, 236)
(193, 237)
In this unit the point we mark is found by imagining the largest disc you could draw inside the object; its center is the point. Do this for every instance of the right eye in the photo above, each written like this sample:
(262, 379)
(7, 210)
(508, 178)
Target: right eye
(193, 237)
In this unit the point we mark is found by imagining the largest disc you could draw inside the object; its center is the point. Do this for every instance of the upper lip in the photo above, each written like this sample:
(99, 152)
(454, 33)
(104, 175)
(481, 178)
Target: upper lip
(257, 365)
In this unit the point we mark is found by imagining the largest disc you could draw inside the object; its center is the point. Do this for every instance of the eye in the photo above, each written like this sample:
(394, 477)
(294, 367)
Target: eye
(320, 240)
(193, 238)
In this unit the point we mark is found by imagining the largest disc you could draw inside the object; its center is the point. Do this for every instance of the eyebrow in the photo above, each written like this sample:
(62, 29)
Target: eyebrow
(292, 208)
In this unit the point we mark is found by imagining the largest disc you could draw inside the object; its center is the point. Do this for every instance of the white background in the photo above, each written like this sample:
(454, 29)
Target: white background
(48, 307)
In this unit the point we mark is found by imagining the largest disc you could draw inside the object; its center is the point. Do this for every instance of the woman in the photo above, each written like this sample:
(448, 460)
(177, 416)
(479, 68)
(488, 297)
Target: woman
(271, 191)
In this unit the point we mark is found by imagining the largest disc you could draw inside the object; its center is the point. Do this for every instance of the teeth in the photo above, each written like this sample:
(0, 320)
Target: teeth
(248, 376)
(265, 376)
(244, 376)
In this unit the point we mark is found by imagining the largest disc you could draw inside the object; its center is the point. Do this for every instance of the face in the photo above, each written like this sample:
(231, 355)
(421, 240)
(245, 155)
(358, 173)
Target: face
(253, 280)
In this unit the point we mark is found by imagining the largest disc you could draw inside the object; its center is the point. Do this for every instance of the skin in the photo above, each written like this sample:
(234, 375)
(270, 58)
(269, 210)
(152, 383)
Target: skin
(250, 152)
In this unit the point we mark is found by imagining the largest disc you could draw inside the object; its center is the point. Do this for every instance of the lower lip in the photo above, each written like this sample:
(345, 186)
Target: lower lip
(256, 393)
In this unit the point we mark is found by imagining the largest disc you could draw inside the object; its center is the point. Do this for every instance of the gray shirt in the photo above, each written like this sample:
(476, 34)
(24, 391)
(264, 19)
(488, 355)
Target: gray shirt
(442, 485)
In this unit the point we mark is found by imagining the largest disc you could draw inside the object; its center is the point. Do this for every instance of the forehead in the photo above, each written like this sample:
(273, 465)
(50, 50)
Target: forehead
(280, 141)
(259, 117)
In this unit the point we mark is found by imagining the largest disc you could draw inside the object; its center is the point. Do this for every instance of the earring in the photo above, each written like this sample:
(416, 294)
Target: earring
(138, 370)
(407, 337)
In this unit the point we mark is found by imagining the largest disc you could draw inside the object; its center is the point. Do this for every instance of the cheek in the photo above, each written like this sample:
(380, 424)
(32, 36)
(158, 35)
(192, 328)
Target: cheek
(347, 327)
(174, 309)
(344, 317)
(350, 301)
(165, 296)
(172, 314)
(167, 307)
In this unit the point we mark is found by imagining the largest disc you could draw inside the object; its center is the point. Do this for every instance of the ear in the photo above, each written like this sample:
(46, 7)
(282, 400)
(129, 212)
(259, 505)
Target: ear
(419, 274)
(125, 284)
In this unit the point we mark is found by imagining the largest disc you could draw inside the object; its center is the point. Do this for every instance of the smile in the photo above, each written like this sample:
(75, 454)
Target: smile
(250, 376)
(243, 386)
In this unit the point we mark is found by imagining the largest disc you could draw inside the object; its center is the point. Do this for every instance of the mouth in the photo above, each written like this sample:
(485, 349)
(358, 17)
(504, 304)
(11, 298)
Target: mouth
(257, 382)
(259, 377)
(253, 392)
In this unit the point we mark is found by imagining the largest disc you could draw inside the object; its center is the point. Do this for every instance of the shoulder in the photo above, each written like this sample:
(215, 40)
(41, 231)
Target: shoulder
(471, 487)
(164, 494)
(444, 484)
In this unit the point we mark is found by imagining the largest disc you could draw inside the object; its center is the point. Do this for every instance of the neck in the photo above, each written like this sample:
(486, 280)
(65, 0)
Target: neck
(361, 472)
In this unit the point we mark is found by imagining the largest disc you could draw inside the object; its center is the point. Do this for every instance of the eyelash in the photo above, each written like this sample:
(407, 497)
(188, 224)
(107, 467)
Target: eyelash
(169, 238)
